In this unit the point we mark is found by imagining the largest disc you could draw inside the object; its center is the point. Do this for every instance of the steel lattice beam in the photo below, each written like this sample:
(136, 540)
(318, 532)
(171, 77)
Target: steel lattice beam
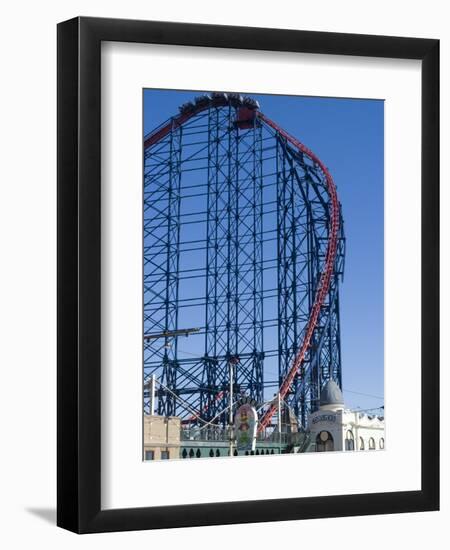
(257, 193)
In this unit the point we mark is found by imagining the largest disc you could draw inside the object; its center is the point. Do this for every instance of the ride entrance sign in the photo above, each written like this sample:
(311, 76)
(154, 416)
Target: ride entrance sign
(245, 423)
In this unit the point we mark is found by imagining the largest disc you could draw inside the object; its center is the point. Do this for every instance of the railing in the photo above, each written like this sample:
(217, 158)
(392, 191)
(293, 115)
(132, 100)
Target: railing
(214, 433)
(209, 433)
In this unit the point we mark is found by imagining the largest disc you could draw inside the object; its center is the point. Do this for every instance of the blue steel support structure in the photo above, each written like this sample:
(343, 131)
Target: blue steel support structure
(236, 223)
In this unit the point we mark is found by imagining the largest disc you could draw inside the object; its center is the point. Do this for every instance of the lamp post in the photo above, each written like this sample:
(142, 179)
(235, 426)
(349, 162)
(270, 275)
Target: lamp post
(231, 372)
(152, 394)
(279, 419)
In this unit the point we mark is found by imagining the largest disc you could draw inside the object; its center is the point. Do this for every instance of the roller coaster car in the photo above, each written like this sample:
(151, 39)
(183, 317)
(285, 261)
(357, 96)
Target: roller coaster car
(251, 103)
(219, 95)
(235, 99)
(186, 108)
(202, 100)
(246, 117)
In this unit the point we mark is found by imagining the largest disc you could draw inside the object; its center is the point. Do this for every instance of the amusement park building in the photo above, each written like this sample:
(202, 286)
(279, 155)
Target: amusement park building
(161, 437)
(330, 428)
(334, 428)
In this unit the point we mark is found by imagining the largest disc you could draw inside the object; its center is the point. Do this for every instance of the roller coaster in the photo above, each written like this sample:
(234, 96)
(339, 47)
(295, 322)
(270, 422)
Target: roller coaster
(244, 253)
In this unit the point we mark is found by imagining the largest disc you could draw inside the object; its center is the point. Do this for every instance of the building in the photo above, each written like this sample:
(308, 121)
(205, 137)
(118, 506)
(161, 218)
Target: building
(331, 428)
(167, 438)
(161, 437)
(334, 428)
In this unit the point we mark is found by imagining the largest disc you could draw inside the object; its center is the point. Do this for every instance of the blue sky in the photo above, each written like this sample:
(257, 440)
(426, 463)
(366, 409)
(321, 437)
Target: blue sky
(348, 136)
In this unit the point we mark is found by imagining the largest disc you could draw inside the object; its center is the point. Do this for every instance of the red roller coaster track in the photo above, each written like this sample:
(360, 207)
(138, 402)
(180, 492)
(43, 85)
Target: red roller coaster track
(221, 100)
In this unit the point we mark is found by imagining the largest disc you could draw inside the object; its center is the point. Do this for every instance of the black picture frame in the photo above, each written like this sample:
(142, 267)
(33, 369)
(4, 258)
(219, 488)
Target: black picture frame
(79, 277)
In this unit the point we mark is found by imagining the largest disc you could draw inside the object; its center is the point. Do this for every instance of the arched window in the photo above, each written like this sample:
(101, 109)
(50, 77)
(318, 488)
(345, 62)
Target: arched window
(371, 444)
(324, 442)
(382, 443)
(361, 444)
(349, 441)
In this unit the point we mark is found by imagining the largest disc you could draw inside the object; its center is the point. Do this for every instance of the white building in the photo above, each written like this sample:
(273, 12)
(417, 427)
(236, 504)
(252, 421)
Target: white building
(333, 428)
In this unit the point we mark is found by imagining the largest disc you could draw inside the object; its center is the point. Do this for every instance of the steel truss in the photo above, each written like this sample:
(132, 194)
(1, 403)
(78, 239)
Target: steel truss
(236, 218)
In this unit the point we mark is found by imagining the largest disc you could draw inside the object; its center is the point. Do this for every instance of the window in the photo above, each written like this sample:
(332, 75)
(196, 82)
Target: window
(349, 441)
(382, 443)
(324, 442)
(361, 444)
(164, 455)
(371, 443)
(149, 455)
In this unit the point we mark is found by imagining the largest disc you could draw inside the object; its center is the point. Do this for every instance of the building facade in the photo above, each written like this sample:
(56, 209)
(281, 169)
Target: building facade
(331, 428)
(161, 437)
(334, 428)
